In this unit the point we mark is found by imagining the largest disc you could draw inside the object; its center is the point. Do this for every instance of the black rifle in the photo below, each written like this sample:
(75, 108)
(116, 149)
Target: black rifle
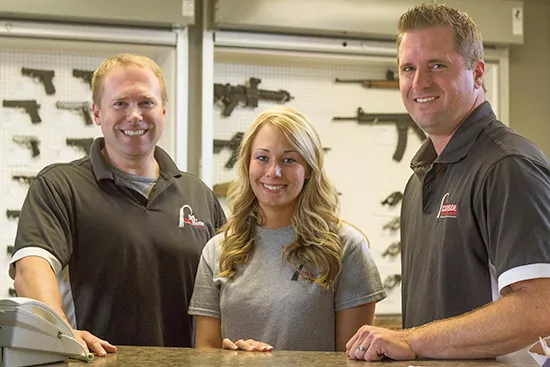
(402, 122)
(392, 281)
(13, 214)
(234, 144)
(389, 83)
(84, 144)
(30, 106)
(23, 179)
(393, 250)
(247, 96)
(85, 75)
(83, 107)
(44, 76)
(30, 141)
(393, 199)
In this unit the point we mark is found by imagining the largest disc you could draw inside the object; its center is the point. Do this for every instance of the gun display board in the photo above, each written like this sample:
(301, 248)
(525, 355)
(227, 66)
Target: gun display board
(370, 154)
(366, 162)
(45, 118)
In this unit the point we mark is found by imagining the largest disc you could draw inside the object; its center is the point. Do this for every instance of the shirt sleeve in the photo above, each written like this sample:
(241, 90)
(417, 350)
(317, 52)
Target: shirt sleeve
(514, 217)
(45, 222)
(359, 281)
(205, 300)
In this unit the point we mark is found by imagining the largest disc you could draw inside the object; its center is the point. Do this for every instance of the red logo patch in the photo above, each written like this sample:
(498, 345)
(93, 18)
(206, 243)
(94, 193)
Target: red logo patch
(447, 210)
(186, 217)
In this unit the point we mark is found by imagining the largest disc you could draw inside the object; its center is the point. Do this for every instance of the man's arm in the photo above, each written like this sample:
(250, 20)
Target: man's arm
(34, 278)
(499, 328)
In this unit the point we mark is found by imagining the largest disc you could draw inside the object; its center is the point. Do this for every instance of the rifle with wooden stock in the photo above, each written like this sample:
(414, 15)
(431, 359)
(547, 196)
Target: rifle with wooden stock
(391, 82)
(220, 189)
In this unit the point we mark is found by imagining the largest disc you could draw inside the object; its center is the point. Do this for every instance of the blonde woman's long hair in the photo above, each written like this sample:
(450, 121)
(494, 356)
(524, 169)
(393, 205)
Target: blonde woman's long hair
(316, 221)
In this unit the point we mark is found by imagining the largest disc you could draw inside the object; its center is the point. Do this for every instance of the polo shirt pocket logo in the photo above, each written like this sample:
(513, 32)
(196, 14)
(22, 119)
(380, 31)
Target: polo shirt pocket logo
(447, 210)
(186, 217)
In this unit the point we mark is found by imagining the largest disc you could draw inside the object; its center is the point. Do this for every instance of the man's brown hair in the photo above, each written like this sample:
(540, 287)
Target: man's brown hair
(125, 60)
(468, 41)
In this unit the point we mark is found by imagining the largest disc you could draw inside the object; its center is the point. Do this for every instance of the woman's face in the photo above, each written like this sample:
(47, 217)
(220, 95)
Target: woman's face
(277, 171)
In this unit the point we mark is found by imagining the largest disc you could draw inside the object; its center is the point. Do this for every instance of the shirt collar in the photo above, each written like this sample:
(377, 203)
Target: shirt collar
(101, 169)
(460, 144)
(467, 133)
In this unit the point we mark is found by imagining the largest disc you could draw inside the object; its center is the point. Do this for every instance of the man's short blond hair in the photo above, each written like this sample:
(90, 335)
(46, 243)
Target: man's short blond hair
(125, 60)
(468, 41)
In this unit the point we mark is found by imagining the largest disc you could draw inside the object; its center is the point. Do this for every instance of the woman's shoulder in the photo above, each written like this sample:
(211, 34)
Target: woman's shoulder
(213, 245)
(351, 235)
(349, 231)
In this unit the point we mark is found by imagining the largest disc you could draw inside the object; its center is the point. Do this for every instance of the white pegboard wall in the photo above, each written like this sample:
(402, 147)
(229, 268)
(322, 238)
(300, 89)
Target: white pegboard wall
(55, 127)
(360, 160)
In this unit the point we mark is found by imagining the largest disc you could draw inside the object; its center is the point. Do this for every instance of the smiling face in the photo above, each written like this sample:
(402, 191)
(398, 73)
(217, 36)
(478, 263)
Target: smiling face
(436, 87)
(277, 172)
(131, 113)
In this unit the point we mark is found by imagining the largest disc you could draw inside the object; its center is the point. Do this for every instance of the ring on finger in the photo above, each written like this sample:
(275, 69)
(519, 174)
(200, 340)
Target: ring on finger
(361, 348)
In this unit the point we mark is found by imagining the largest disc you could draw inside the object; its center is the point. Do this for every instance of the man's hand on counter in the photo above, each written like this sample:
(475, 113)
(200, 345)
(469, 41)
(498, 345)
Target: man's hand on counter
(372, 343)
(93, 344)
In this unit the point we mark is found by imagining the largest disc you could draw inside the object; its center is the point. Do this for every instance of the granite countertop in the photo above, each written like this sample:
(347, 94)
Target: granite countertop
(156, 356)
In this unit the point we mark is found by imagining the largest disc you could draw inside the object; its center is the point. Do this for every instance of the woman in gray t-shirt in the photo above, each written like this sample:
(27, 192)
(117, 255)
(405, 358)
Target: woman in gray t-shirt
(285, 272)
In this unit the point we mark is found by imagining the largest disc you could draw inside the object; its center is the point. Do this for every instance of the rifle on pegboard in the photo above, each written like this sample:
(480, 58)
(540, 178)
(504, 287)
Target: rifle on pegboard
(391, 82)
(234, 144)
(402, 121)
(246, 95)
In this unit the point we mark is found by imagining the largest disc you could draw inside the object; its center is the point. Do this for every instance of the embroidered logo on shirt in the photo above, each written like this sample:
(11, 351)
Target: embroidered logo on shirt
(447, 210)
(186, 217)
(302, 274)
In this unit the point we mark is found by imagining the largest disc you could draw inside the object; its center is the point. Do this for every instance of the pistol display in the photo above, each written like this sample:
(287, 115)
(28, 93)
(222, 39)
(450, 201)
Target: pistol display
(393, 225)
(44, 76)
(30, 106)
(393, 250)
(30, 141)
(393, 199)
(13, 214)
(83, 107)
(392, 281)
(83, 144)
(85, 75)
(24, 179)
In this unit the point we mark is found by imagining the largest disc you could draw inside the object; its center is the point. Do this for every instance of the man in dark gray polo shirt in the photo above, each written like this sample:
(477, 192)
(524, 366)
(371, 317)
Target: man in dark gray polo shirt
(112, 241)
(475, 219)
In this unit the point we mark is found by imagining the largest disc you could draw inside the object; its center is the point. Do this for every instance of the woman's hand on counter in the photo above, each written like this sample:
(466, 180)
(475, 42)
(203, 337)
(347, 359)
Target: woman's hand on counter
(248, 345)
